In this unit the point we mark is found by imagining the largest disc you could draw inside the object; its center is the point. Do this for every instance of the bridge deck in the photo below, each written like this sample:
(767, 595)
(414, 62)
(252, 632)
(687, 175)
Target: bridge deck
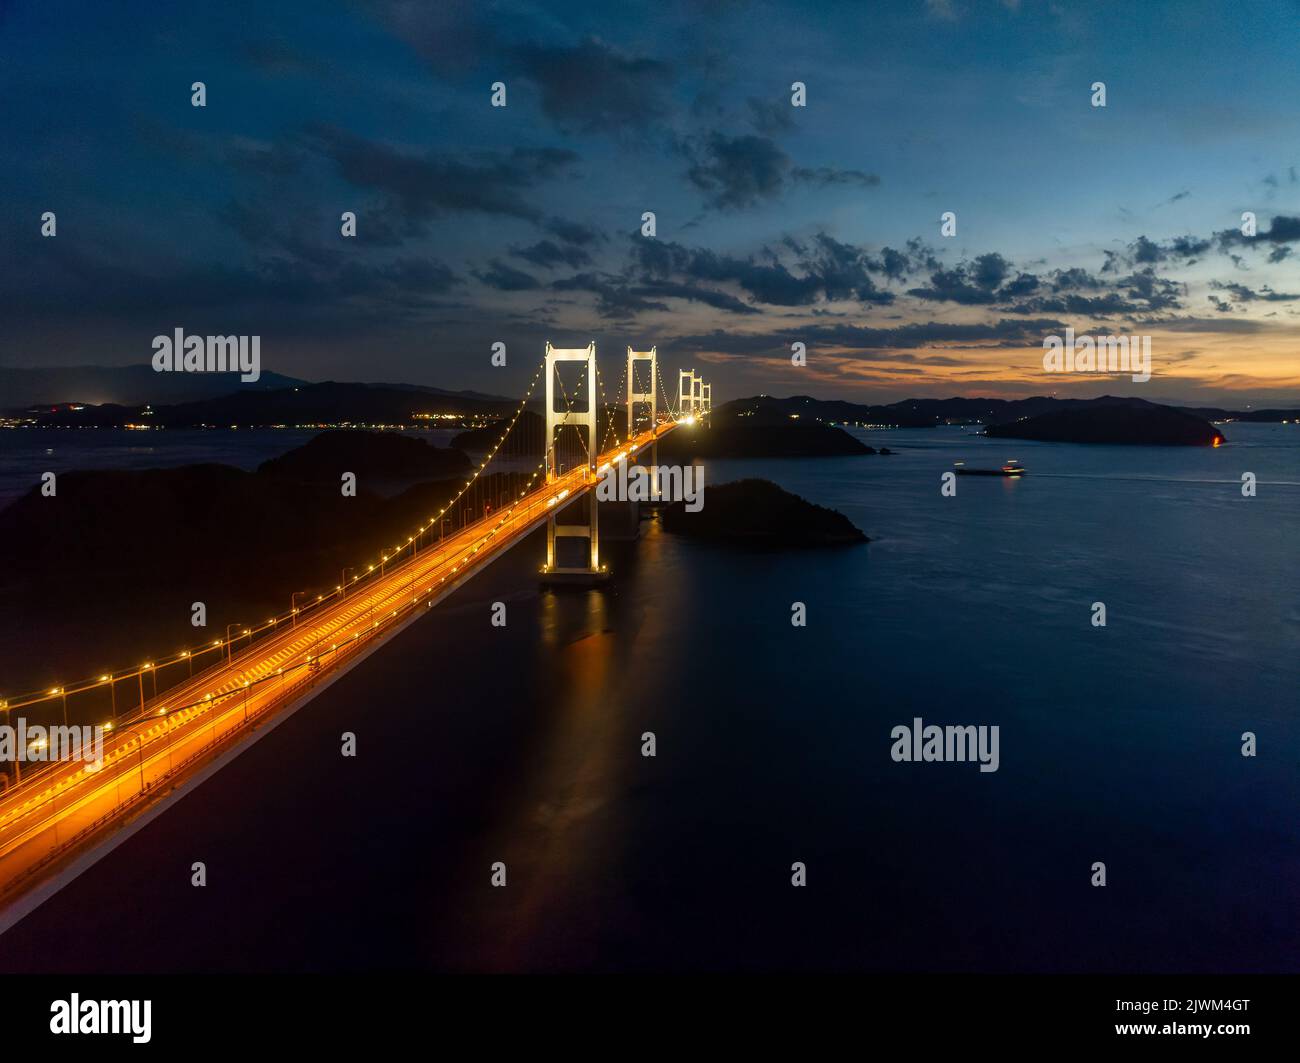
(67, 805)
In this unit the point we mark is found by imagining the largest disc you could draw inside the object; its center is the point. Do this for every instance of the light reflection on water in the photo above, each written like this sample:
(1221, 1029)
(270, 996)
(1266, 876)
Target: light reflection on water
(1119, 744)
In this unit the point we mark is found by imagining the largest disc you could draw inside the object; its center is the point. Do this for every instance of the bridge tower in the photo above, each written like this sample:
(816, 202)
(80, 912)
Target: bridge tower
(685, 392)
(635, 397)
(585, 419)
(694, 396)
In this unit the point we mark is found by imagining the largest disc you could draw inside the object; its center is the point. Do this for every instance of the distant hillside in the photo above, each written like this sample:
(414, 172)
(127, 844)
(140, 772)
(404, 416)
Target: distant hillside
(129, 385)
(139, 385)
(132, 550)
(378, 457)
(912, 413)
(483, 396)
(328, 403)
(926, 413)
(1152, 425)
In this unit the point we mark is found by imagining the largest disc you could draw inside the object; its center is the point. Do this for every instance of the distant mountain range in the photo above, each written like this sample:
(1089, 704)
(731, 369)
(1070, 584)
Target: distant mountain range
(926, 413)
(329, 403)
(130, 385)
(139, 385)
(275, 400)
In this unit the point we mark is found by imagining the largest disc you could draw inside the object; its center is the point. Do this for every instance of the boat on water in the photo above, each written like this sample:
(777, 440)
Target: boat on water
(1010, 468)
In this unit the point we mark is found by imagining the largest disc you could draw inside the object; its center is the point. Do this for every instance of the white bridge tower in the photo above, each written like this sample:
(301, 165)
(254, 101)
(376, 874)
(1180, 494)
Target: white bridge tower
(694, 396)
(584, 419)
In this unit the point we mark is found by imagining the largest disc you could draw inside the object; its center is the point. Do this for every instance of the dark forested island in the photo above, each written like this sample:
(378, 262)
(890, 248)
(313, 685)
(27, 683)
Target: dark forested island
(759, 513)
(377, 458)
(1146, 425)
(108, 568)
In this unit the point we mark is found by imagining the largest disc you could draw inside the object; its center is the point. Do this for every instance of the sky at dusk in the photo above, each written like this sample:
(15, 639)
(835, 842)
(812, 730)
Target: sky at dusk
(775, 223)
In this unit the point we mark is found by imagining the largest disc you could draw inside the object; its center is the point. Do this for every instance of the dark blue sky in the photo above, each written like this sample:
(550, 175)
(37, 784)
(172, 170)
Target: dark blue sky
(775, 223)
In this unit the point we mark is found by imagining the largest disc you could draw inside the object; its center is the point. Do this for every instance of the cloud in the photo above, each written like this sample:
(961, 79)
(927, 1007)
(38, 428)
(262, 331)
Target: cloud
(425, 186)
(620, 296)
(952, 286)
(1145, 250)
(594, 87)
(880, 343)
(1075, 278)
(1158, 292)
(1282, 230)
(547, 254)
(1204, 324)
(572, 232)
(770, 117)
(826, 175)
(310, 293)
(744, 171)
(1242, 294)
(1107, 305)
(990, 270)
(615, 299)
(506, 278)
(707, 296)
(828, 270)
(1187, 247)
(1024, 284)
(739, 171)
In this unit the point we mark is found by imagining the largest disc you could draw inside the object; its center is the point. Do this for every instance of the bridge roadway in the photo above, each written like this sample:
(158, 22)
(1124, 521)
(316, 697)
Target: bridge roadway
(61, 809)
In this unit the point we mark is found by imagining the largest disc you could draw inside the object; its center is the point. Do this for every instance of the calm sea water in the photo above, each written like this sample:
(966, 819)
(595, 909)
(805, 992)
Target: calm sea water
(1119, 744)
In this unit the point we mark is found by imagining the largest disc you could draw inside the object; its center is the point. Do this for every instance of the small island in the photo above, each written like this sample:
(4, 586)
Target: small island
(759, 513)
(1146, 425)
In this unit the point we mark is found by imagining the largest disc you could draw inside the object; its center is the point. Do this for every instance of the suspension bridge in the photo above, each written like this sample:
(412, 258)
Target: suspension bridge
(164, 720)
